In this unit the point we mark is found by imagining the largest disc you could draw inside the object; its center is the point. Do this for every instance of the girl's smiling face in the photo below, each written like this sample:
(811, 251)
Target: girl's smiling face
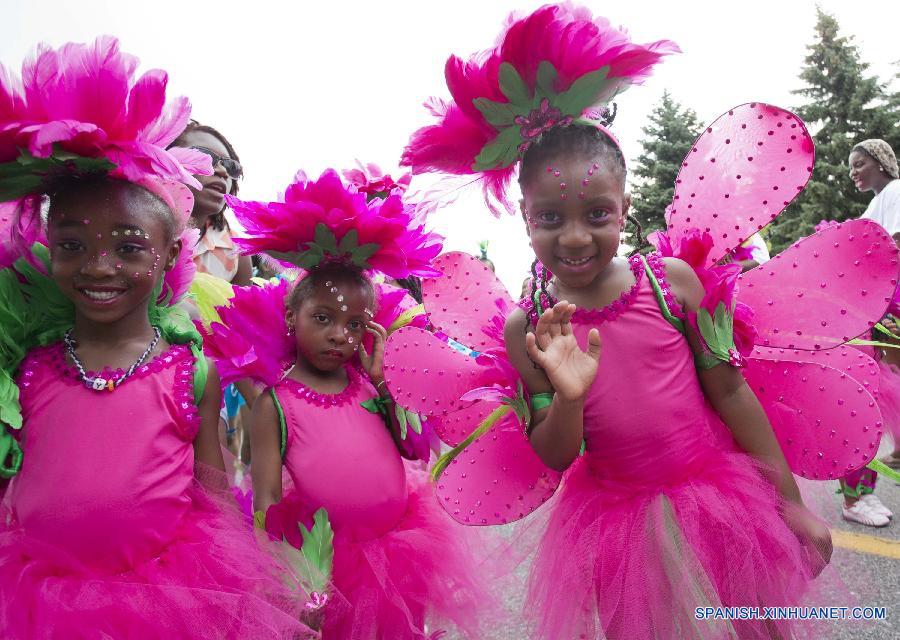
(110, 243)
(574, 210)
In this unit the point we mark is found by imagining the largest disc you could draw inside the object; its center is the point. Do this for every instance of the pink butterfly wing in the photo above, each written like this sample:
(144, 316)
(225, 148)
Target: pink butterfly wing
(821, 407)
(498, 479)
(463, 301)
(742, 171)
(825, 289)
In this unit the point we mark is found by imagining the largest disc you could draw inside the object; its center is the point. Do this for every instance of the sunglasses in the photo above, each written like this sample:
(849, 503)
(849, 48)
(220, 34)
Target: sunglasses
(232, 167)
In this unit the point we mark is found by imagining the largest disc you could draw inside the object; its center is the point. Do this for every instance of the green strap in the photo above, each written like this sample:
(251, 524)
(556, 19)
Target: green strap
(661, 298)
(541, 400)
(9, 449)
(879, 467)
(201, 373)
(282, 425)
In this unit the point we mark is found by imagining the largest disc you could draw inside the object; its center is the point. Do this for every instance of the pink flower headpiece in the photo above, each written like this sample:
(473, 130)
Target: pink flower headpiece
(555, 67)
(373, 182)
(326, 221)
(80, 109)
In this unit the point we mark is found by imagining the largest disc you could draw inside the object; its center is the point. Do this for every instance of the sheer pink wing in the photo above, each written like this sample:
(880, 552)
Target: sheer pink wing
(742, 171)
(825, 289)
(466, 301)
(821, 406)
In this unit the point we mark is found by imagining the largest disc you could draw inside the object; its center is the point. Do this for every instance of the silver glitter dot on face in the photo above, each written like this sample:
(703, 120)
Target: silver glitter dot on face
(85, 221)
(118, 267)
(340, 298)
(329, 283)
(115, 233)
(103, 254)
(351, 340)
(333, 289)
(343, 307)
(127, 232)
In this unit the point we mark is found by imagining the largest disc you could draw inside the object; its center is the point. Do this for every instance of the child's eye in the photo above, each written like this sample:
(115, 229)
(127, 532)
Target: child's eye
(320, 317)
(598, 215)
(355, 325)
(69, 245)
(547, 218)
(130, 248)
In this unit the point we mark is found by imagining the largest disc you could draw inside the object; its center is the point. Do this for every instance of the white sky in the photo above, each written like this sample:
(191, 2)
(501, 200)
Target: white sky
(311, 85)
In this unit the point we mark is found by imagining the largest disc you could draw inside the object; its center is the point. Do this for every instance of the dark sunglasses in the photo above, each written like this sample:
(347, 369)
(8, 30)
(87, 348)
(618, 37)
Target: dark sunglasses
(232, 167)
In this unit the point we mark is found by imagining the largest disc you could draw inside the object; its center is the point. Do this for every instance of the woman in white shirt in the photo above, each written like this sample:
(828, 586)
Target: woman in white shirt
(873, 167)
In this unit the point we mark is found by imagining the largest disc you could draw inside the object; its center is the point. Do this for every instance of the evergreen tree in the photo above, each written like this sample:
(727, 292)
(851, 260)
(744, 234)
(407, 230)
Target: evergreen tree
(669, 136)
(843, 106)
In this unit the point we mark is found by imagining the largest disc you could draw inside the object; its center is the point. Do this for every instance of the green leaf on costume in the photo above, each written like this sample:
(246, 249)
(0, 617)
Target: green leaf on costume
(27, 173)
(402, 420)
(582, 93)
(349, 242)
(259, 520)
(546, 80)
(318, 550)
(310, 258)
(717, 331)
(499, 114)
(512, 85)
(415, 422)
(361, 254)
(325, 239)
(501, 152)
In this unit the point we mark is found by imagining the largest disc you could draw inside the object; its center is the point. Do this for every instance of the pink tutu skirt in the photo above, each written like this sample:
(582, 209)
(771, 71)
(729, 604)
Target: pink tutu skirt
(636, 558)
(420, 574)
(889, 399)
(213, 580)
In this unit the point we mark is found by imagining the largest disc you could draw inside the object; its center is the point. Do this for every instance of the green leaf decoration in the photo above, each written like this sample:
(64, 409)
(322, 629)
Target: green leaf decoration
(259, 520)
(415, 422)
(582, 94)
(512, 85)
(402, 420)
(502, 151)
(546, 79)
(360, 255)
(9, 449)
(318, 550)
(717, 331)
(28, 174)
(499, 114)
(310, 258)
(444, 461)
(325, 239)
(349, 242)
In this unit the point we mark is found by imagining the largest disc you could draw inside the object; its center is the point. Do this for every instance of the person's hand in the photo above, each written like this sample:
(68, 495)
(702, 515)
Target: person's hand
(552, 347)
(373, 363)
(813, 534)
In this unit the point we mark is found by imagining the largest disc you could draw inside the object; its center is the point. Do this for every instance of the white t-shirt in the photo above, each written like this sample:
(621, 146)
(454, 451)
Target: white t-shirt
(885, 208)
(758, 249)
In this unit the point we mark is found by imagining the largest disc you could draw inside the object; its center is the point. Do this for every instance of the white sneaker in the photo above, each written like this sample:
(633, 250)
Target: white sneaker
(876, 505)
(864, 514)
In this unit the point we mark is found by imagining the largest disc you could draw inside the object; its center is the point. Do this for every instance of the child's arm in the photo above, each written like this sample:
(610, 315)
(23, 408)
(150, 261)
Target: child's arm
(556, 432)
(741, 411)
(265, 442)
(206, 444)
(373, 364)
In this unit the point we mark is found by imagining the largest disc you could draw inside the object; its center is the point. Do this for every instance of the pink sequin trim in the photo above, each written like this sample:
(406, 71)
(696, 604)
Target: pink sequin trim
(354, 379)
(53, 358)
(658, 267)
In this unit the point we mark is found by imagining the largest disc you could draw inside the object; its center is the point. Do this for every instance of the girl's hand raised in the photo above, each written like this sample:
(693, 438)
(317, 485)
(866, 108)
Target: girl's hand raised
(552, 347)
(373, 363)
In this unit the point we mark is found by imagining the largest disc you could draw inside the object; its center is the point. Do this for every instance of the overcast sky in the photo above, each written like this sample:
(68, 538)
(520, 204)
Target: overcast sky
(314, 85)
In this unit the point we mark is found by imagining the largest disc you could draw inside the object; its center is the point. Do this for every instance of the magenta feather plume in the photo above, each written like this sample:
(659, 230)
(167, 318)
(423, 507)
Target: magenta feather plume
(373, 182)
(569, 38)
(20, 228)
(177, 280)
(85, 100)
(252, 339)
(324, 220)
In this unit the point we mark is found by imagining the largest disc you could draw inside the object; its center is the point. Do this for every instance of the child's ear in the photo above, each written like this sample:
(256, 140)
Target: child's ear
(172, 256)
(290, 317)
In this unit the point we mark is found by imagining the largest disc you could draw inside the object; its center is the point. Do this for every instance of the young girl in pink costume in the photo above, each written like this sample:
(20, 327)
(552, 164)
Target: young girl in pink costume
(682, 498)
(107, 530)
(396, 559)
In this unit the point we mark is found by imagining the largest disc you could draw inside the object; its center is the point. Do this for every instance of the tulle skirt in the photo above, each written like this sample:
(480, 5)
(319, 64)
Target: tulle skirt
(215, 579)
(636, 560)
(889, 399)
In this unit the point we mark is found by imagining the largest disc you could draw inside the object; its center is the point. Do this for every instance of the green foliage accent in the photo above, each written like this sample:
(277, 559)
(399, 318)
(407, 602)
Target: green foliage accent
(717, 331)
(843, 106)
(10, 449)
(671, 132)
(259, 520)
(317, 551)
(325, 244)
(512, 85)
(27, 174)
(501, 151)
(582, 94)
(499, 114)
(546, 79)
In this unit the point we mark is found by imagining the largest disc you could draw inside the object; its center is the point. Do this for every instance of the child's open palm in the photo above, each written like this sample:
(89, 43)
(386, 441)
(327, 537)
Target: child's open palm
(553, 347)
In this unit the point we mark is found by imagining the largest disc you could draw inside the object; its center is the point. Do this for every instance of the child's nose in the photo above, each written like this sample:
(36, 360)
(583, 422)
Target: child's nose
(99, 264)
(575, 235)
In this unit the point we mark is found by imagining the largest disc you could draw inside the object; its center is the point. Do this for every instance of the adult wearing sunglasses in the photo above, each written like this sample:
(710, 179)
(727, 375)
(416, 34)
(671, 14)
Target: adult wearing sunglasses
(215, 253)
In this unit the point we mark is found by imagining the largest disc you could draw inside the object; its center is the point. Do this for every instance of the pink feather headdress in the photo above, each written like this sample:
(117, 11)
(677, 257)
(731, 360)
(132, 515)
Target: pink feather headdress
(326, 221)
(373, 182)
(80, 109)
(557, 66)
